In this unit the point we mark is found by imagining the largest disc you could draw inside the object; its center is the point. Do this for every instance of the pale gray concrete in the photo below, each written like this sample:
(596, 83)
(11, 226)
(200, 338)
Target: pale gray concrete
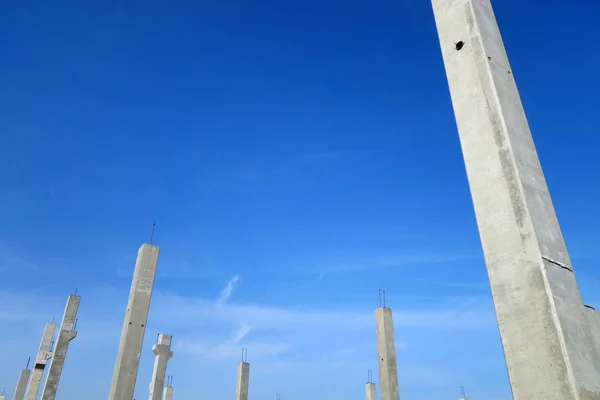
(22, 384)
(546, 339)
(593, 318)
(371, 391)
(162, 350)
(2, 397)
(43, 355)
(386, 352)
(168, 395)
(134, 326)
(65, 335)
(243, 377)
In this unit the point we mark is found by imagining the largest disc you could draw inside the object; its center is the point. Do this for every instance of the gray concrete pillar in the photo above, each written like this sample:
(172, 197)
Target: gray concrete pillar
(65, 335)
(386, 352)
(243, 376)
(42, 357)
(22, 384)
(543, 328)
(593, 318)
(371, 391)
(162, 350)
(132, 335)
(168, 395)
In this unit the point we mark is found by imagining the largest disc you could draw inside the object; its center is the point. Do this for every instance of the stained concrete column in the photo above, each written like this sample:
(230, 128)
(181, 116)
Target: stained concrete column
(371, 391)
(162, 350)
(43, 355)
(134, 326)
(386, 351)
(546, 340)
(22, 383)
(65, 335)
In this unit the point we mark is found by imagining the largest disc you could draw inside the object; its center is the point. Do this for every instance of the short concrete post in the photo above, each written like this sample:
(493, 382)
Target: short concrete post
(22, 383)
(386, 351)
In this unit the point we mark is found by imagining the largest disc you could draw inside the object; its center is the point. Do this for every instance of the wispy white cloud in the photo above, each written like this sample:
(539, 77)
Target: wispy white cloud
(392, 261)
(227, 290)
(241, 332)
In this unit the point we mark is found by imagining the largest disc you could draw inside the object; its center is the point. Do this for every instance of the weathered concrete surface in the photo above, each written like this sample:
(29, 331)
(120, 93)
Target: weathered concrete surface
(545, 336)
(386, 351)
(65, 335)
(371, 391)
(134, 326)
(21, 384)
(168, 395)
(593, 318)
(42, 357)
(243, 377)
(162, 350)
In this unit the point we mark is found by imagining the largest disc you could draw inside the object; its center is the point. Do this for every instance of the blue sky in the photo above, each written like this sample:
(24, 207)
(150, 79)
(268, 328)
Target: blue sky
(296, 156)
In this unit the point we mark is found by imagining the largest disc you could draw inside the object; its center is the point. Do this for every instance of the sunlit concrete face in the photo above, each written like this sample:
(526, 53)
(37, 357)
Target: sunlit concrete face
(547, 341)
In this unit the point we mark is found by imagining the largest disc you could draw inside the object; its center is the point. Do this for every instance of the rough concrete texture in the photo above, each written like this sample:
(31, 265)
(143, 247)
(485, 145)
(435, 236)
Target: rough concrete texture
(134, 326)
(371, 391)
(546, 339)
(21, 384)
(243, 377)
(42, 357)
(162, 350)
(168, 395)
(386, 351)
(65, 335)
(593, 318)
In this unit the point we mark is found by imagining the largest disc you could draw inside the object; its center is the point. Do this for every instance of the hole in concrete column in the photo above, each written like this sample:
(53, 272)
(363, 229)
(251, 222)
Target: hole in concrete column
(382, 359)
(586, 306)
(142, 325)
(458, 46)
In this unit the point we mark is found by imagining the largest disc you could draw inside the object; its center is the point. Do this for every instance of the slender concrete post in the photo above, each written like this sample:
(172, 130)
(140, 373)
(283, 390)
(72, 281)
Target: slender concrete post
(386, 351)
(243, 376)
(43, 355)
(546, 339)
(163, 352)
(22, 383)
(168, 393)
(134, 326)
(65, 335)
(371, 391)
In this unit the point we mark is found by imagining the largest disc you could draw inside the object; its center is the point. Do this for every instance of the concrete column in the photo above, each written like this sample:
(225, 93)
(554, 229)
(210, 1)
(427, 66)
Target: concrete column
(43, 355)
(22, 384)
(371, 391)
(386, 351)
(168, 395)
(163, 352)
(65, 335)
(243, 375)
(593, 318)
(134, 326)
(2, 397)
(546, 339)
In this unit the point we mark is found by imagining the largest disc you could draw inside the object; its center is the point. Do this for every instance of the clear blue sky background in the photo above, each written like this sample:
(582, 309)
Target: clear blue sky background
(296, 156)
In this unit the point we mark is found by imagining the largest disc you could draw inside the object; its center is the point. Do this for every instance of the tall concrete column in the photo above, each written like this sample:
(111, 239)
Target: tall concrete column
(134, 326)
(65, 335)
(546, 339)
(162, 350)
(243, 376)
(22, 382)
(386, 352)
(43, 355)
